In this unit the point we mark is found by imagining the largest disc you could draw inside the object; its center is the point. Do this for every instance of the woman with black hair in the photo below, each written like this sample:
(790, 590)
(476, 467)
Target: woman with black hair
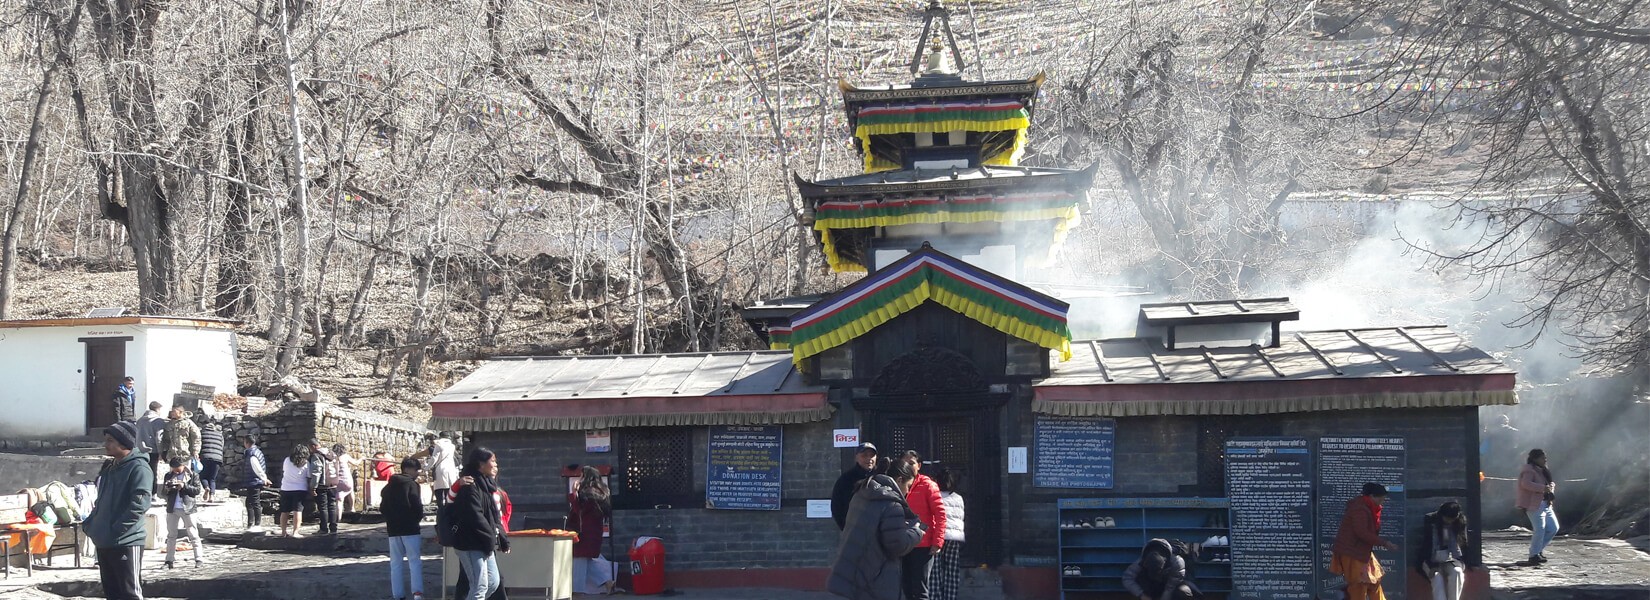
(1353, 556)
(588, 508)
(480, 522)
(947, 575)
(879, 531)
(295, 490)
(1535, 497)
(1442, 561)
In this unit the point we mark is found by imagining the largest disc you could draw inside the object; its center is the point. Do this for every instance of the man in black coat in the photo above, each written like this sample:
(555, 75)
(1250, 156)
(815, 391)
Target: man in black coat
(864, 459)
(403, 510)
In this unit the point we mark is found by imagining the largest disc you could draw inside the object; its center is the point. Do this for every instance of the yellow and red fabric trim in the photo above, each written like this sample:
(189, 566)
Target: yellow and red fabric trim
(1057, 206)
(921, 277)
(977, 116)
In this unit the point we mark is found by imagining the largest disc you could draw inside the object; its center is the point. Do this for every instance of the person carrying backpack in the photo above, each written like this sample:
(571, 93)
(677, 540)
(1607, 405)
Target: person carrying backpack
(321, 463)
(1160, 573)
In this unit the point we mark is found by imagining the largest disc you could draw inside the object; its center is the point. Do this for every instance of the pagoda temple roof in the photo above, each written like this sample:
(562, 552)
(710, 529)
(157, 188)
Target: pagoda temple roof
(939, 180)
(931, 88)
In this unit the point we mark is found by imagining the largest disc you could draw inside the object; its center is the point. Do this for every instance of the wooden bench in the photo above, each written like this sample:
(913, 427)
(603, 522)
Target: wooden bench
(13, 519)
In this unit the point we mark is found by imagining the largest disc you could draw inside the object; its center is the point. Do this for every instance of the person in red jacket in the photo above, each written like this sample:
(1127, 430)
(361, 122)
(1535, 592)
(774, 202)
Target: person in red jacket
(924, 499)
(1353, 555)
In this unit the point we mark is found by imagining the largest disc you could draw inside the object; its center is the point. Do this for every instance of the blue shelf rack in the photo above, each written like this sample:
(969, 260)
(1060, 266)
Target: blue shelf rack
(1102, 553)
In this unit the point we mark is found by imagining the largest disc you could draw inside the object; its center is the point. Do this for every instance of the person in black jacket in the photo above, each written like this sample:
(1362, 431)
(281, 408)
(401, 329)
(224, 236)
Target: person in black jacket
(864, 460)
(480, 522)
(881, 529)
(403, 510)
(1160, 574)
(180, 487)
(211, 458)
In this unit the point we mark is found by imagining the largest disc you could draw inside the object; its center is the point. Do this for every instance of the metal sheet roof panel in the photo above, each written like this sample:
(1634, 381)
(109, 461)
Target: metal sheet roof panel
(630, 376)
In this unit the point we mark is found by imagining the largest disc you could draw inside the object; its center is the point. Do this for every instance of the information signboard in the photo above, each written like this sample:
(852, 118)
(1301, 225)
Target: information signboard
(1073, 452)
(744, 467)
(1344, 465)
(1269, 484)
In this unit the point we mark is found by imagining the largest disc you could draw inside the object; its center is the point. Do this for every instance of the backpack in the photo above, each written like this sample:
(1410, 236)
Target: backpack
(85, 497)
(61, 499)
(319, 466)
(446, 523)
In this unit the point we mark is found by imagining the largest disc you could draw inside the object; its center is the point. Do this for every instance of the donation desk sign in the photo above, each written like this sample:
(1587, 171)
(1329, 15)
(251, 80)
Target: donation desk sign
(744, 464)
(1073, 452)
(1269, 483)
(1344, 465)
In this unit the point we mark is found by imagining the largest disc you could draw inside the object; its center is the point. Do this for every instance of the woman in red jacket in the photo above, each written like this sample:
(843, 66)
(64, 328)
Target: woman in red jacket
(924, 499)
(1353, 556)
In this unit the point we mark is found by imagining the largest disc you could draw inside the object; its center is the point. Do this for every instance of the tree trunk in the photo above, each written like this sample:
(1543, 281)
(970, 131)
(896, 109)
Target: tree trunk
(125, 33)
(63, 34)
(234, 265)
(299, 188)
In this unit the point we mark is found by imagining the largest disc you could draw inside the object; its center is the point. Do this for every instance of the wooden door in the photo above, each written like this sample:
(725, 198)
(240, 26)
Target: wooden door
(966, 443)
(105, 368)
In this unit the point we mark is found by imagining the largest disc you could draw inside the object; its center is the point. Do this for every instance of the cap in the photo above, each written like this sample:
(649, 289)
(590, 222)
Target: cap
(866, 447)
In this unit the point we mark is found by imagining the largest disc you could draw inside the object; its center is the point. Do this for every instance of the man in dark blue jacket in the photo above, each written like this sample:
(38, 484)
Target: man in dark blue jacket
(116, 523)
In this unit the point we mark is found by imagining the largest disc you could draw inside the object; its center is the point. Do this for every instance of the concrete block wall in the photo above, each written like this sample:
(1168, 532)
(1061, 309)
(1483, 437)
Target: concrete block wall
(696, 538)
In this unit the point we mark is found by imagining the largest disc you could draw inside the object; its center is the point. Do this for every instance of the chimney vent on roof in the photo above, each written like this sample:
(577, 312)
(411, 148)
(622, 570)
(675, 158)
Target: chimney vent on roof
(1217, 323)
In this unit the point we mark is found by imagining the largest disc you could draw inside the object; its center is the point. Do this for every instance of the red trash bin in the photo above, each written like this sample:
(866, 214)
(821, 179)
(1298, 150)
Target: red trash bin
(647, 566)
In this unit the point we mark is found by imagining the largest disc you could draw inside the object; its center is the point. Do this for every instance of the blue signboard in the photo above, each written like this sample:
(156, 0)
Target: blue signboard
(744, 467)
(1344, 465)
(1269, 482)
(1073, 452)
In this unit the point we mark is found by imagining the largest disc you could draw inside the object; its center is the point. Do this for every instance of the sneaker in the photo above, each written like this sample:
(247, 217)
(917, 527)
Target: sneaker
(418, 596)
(255, 529)
(199, 563)
(296, 534)
(1541, 558)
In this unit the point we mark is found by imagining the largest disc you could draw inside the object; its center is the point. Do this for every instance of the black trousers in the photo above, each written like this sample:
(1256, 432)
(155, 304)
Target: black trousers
(913, 574)
(209, 475)
(254, 511)
(118, 568)
(326, 505)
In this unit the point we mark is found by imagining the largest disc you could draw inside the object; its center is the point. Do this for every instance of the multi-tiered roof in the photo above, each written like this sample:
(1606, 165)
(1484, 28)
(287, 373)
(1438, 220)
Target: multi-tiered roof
(945, 151)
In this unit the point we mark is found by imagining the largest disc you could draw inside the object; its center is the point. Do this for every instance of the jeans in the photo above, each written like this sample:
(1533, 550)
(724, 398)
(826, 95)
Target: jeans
(1447, 582)
(482, 569)
(1543, 526)
(118, 568)
(914, 569)
(254, 511)
(184, 523)
(326, 505)
(408, 548)
(209, 475)
(589, 578)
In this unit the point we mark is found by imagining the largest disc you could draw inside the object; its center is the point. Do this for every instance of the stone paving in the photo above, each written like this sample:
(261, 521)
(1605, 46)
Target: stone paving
(354, 565)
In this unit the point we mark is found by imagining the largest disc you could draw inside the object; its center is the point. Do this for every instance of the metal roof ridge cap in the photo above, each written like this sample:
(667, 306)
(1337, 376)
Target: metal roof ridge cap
(594, 380)
(1100, 360)
(689, 376)
(1315, 352)
(737, 373)
(1435, 356)
(1373, 352)
(571, 360)
(643, 377)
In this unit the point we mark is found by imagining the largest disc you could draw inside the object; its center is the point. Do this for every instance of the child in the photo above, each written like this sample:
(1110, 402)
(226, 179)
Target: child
(180, 487)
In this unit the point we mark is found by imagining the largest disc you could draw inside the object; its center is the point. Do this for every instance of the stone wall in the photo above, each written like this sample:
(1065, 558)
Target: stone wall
(530, 465)
(18, 471)
(295, 423)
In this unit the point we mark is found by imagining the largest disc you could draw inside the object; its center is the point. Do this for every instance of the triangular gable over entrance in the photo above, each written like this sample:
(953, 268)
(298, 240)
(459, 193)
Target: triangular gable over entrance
(926, 275)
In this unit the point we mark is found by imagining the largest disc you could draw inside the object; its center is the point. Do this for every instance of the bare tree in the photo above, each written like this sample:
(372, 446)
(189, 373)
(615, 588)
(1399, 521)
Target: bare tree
(1550, 97)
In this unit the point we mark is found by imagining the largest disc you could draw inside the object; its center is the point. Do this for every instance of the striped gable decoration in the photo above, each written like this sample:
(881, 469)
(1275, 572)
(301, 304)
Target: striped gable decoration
(926, 275)
(1059, 206)
(966, 115)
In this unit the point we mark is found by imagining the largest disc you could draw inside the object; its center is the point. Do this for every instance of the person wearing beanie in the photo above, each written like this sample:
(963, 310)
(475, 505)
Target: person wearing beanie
(115, 525)
(1353, 556)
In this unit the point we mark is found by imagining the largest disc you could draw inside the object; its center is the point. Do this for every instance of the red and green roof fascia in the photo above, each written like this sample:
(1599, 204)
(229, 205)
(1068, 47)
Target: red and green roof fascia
(926, 275)
(974, 106)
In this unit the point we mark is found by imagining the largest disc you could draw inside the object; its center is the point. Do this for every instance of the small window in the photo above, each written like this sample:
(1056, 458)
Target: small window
(837, 364)
(655, 467)
(1025, 358)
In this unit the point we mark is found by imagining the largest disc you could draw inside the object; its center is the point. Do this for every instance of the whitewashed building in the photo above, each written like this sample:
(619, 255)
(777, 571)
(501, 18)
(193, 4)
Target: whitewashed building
(58, 376)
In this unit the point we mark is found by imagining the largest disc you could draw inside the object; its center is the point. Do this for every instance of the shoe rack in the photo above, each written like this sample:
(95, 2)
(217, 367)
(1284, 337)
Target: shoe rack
(1100, 537)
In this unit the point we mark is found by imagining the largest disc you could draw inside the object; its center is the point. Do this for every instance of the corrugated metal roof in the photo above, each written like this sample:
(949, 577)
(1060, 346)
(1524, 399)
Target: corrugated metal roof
(1220, 311)
(710, 374)
(1339, 353)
